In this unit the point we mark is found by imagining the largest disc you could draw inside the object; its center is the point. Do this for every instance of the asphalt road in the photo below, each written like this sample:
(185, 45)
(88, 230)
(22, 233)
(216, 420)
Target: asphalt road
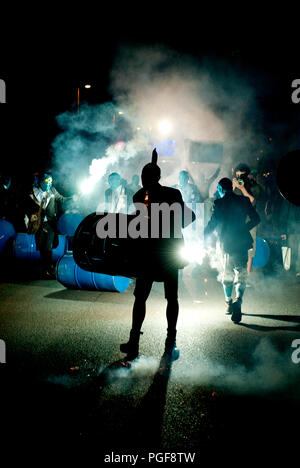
(234, 388)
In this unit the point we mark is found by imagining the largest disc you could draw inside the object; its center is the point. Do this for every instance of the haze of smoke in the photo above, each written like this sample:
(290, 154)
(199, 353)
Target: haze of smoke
(125, 380)
(272, 371)
(203, 103)
(141, 367)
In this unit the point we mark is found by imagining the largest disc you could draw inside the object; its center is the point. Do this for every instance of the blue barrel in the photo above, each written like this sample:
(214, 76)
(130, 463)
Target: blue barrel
(7, 232)
(68, 223)
(70, 275)
(262, 253)
(25, 247)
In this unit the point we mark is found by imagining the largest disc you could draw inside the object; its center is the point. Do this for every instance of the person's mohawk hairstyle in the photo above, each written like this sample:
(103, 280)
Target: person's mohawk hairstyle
(154, 157)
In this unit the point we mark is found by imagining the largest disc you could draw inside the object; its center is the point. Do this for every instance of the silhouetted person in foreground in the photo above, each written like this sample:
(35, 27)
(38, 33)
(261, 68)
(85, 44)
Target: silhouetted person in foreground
(160, 257)
(233, 217)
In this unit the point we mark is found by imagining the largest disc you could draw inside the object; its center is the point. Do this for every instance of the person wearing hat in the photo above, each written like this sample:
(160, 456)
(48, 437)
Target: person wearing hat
(232, 218)
(160, 256)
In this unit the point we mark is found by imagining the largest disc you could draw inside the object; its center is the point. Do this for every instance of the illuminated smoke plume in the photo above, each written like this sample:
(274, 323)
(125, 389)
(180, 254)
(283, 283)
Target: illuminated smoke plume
(271, 371)
(162, 95)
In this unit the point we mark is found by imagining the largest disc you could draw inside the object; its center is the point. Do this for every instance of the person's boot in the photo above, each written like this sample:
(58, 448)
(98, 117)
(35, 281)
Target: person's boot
(236, 315)
(228, 307)
(131, 348)
(171, 350)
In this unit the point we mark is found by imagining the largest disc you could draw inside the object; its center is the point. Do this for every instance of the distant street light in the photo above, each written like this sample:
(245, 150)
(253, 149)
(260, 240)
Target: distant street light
(164, 127)
(87, 86)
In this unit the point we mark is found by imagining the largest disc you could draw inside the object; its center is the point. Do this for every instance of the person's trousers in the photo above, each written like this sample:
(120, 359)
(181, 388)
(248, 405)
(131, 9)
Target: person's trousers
(141, 292)
(44, 240)
(235, 273)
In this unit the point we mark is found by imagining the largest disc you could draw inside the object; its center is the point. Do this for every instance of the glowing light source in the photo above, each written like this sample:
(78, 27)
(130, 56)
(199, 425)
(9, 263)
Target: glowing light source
(164, 127)
(87, 185)
(193, 252)
(87, 86)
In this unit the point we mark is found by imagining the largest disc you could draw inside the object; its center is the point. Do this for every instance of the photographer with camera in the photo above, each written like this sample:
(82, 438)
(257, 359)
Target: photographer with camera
(244, 185)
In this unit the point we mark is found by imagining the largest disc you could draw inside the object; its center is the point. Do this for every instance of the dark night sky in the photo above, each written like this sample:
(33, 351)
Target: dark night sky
(43, 69)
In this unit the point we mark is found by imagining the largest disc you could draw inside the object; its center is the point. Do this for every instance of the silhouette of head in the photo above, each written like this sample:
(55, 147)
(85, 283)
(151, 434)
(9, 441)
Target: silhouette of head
(183, 178)
(114, 180)
(224, 186)
(150, 175)
(242, 169)
(151, 172)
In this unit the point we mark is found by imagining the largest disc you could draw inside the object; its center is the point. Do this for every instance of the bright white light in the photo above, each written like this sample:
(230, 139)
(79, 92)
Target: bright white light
(164, 126)
(193, 252)
(87, 186)
(87, 86)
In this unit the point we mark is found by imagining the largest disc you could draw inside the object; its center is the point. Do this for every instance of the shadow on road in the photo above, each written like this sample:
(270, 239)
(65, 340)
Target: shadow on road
(269, 329)
(125, 420)
(152, 407)
(74, 295)
(87, 295)
(283, 318)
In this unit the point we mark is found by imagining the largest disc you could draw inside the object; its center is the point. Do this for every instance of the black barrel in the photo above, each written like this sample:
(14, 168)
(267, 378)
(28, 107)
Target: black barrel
(109, 255)
(121, 255)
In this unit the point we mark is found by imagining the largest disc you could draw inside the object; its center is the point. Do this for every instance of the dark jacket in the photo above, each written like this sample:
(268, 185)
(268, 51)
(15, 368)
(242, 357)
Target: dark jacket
(53, 208)
(233, 217)
(163, 252)
(51, 212)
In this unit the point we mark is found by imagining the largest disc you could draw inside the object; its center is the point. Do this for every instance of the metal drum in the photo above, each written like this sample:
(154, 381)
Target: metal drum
(68, 223)
(70, 275)
(118, 254)
(7, 233)
(25, 247)
(112, 256)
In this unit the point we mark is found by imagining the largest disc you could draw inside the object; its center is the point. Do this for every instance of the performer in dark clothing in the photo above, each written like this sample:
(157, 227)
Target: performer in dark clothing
(161, 256)
(233, 217)
(42, 211)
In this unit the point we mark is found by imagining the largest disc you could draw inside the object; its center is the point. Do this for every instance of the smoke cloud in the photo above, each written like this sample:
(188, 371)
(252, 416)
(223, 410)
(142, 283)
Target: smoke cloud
(204, 102)
(270, 371)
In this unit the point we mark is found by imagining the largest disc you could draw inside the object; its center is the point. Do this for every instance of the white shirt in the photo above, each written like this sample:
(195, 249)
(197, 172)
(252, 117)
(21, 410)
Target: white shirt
(40, 195)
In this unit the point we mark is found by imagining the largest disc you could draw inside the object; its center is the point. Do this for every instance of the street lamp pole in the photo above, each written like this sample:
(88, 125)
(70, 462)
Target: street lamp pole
(78, 95)
(78, 99)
